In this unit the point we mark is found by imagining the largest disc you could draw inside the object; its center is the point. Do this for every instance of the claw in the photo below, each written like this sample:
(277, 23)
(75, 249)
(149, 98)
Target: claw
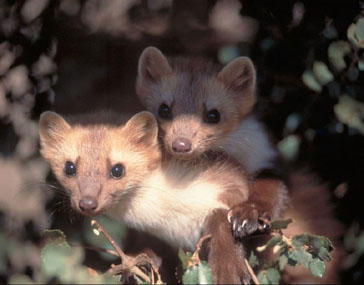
(229, 216)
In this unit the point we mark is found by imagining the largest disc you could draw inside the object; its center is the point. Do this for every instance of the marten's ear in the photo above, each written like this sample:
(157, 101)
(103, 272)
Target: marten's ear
(52, 127)
(239, 76)
(143, 128)
(153, 65)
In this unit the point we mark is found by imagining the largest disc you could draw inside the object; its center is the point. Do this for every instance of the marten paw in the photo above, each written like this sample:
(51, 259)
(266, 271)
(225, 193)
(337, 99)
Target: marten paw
(247, 219)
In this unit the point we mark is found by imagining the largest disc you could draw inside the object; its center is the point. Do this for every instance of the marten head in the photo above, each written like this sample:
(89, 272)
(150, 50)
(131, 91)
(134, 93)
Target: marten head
(197, 104)
(99, 164)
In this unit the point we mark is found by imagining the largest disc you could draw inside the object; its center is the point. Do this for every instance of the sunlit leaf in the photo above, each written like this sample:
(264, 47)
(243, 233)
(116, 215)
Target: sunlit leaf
(317, 267)
(283, 260)
(301, 256)
(350, 112)
(351, 35)
(289, 146)
(280, 224)
(336, 53)
(310, 81)
(322, 73)
(359, 30)
(198, 274)
(227, 54)
(253, 260)
(185, 258)
(273, 276)
(272, 242)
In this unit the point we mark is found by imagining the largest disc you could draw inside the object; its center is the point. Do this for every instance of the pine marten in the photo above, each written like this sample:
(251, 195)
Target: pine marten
(202, 107)
(113, 166)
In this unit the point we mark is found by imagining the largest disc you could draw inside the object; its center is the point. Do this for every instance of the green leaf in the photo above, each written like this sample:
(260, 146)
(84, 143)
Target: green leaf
(198, 274)
(205, 273)
(300, 240)
(114, 228)
(60, 260)
(20, 279)
(351, 35)
(253, 260)
(359, 30)
(191, 275)
(322, 73)
(289, 146)
(317, 267)
(227, 54)
(310, 81)
(336, 53)
(301, 256)
(324, 254)
(272, 242)
(185, 258)
(280, 224)
(350, 112)
(262, 277)
(283, 260)
(361, 64)
(273, 276)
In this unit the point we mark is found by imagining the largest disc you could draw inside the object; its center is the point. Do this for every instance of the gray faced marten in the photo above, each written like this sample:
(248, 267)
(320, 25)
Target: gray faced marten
(112, 166)
(202, 107)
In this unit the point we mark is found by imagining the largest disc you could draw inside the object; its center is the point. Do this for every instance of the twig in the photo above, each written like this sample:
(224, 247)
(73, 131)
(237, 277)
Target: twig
(195, 256)
(111, 240)
(252, 274)
(129, 263)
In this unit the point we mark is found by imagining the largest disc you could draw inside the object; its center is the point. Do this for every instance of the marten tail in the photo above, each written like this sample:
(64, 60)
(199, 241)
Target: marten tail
(312, 211)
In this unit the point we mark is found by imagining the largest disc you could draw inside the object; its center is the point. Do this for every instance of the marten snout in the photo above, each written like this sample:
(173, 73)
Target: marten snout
(181, 145)
(88, 205)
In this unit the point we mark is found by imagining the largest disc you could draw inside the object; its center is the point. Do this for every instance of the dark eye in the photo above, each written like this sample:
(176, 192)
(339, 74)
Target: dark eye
(117, 171)
(212, 116)
(70, 168)
(164, 111)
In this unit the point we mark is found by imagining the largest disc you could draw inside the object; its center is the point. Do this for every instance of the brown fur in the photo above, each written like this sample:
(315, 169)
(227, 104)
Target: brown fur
(60, 143)
(190, 87)
(187, 85)
(226, 256)
(312, 211)
(147, 195)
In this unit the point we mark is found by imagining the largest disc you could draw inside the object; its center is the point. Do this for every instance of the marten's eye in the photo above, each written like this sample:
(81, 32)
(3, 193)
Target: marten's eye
(117, 171)
(164, 111)
(212, 116)
(70, 168)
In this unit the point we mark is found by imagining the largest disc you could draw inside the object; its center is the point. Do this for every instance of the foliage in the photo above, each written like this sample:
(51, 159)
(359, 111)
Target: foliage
(304, 249)
(62, 263)
(348, 110)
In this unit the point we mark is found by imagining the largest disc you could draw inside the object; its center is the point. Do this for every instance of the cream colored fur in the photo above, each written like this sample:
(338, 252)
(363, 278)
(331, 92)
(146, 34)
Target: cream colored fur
(170, 208)
(250, 145)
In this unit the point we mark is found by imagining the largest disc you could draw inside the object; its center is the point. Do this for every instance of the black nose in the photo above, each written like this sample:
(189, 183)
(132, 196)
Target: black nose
(88, 204)
(181, 145)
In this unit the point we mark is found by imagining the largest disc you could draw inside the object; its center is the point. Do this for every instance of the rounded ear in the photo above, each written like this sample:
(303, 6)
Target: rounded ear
(143, 128)
(51, 127)
(153, 65)
(239, 75)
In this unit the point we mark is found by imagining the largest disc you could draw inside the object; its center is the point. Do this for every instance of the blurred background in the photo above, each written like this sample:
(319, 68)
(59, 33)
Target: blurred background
(74, 56)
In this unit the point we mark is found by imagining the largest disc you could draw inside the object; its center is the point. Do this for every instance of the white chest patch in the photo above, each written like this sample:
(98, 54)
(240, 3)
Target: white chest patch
(171, 212)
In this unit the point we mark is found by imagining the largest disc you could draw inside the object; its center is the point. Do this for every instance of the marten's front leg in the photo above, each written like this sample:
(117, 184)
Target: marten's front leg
(226, 257)
(266, 201)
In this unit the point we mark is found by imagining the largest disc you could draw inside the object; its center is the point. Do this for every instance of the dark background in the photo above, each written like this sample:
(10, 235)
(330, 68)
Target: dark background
(92, 50)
